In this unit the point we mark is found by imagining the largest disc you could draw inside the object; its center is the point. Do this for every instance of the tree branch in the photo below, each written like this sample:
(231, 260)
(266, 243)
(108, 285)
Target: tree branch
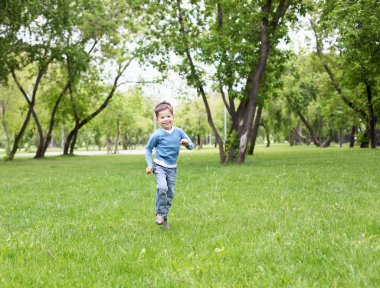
(333, 80)
(198, 83)
(224, 99)
(280, 11)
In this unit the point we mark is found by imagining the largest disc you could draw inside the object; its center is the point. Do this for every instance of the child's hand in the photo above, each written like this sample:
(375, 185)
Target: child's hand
(149, 169)
(184, 142)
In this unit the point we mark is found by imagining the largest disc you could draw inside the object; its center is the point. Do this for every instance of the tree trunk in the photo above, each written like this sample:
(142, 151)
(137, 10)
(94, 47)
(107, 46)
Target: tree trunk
(46, 140)
(255, 130)
(365, 139)
(19, 136)
(125, 141)
(109, 145)
(74, 140)
(68, 140)
(245, 126)
(40, 135)
(7, 136)
(326, 143)
(352, 136)
(5, 126)
(116, 151)
(300, 137)
(266, 133)
(199, 141)
(248, 114)
(73, 135)
(310, 129)
(372, 117)
(340, 137)
(71, 140)
(31, 102)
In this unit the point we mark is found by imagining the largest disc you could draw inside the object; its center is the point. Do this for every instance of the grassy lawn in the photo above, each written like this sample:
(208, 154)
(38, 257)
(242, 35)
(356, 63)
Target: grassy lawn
(288, 217)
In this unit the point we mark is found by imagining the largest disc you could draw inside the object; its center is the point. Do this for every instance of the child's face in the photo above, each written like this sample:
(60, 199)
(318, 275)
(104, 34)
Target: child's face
(165, 118)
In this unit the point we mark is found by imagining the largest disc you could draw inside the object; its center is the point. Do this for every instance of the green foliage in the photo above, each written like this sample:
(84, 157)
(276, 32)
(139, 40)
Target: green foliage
(76, 40)
(221, 43)
(12, 111)
(307, 90)
(363, 139)
(192, 118)
(230, 49)
(59, 35)
(132, 112)
(351, 27)
(232, 141)
(358, 38)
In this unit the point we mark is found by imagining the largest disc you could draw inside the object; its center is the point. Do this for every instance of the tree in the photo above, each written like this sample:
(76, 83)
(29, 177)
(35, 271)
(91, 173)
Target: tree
(80, 119)
(355, 27)
(63, 36)
(34, 35)
(118, 47)
(138, 122)
(307, 90)
(235, 39)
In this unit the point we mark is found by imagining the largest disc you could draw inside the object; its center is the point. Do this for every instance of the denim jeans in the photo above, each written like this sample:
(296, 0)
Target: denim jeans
(165, 178)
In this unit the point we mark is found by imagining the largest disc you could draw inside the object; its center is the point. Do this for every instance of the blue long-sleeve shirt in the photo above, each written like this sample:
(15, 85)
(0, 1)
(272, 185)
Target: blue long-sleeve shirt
(166, 145)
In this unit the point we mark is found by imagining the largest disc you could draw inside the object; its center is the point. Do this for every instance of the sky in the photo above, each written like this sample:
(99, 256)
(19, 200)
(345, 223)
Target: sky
(169, 89)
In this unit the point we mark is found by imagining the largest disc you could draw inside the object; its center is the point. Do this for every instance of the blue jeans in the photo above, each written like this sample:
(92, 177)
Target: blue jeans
(165, 178)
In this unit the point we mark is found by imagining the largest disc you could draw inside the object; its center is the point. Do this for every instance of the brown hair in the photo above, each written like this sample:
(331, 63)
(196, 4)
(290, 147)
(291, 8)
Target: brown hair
(163, 106)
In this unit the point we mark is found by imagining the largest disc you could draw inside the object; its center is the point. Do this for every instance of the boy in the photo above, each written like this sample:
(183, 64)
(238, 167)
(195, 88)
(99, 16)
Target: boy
(166, 142)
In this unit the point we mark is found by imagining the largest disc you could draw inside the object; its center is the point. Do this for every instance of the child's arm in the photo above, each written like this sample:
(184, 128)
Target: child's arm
(148, 157)
(186, 141)
(148, 153)
(149, 169)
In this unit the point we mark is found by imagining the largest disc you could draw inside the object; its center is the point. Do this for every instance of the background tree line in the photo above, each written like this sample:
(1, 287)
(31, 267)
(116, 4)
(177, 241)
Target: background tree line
(62, 64)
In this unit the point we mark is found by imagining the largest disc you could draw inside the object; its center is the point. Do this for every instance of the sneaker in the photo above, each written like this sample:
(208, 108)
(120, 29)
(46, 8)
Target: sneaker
(159, 219)
(165, 225)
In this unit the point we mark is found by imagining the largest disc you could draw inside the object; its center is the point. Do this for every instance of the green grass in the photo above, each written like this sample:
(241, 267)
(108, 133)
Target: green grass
(288, 217)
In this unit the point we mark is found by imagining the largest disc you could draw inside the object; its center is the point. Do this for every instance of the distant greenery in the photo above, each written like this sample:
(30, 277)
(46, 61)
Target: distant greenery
(64, 66)
(289, 217)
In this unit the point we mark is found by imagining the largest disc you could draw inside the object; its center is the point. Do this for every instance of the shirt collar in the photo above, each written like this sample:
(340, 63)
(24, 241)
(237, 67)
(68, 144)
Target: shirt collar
(168, 131)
